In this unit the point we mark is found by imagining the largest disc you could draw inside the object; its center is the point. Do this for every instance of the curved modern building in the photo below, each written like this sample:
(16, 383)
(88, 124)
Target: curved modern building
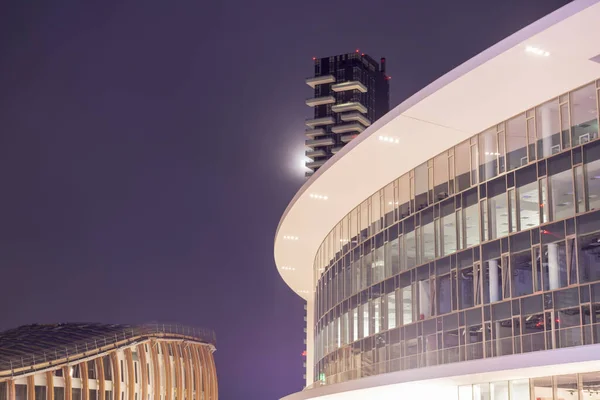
(107, 362)
(452, 250)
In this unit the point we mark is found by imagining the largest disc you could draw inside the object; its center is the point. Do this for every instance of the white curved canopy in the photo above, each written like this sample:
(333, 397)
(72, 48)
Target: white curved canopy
(497, 84)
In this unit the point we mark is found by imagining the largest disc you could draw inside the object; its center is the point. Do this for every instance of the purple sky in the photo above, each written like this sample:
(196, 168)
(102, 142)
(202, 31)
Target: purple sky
(148, 149)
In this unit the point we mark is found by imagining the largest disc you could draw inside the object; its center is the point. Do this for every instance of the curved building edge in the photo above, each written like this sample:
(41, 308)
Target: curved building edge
(306, 221)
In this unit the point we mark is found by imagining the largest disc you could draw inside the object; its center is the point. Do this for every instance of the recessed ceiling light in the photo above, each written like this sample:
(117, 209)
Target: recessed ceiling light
(318, 196)
(537, 51)
(388, 139)
(288, 237)
(285, 268)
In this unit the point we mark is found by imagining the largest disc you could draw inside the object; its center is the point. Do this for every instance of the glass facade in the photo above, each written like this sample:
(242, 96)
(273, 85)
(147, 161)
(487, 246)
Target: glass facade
(490, 248)
(583, 386)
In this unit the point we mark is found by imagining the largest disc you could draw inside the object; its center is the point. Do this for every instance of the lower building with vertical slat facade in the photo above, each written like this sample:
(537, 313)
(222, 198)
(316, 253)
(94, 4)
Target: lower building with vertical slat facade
(82, 361)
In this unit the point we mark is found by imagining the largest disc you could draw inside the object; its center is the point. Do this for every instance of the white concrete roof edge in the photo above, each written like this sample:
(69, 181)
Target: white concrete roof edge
(486, 55)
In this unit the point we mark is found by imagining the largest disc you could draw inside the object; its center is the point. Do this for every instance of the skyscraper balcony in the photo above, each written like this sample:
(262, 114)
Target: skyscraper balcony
(349, 85)
(312, 122)
(320, 80)
(356, 116)
(352, 127)
(351, 106)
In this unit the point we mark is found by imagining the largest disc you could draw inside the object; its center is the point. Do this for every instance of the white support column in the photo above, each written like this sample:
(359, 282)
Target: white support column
(547, 130)
(494, 282)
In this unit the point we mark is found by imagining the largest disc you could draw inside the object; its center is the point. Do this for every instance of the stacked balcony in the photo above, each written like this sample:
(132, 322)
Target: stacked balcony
(318, 101)
(349, 85)
(356, 117)
(314, 122)
(351, 127)
(320, 80)
(351, 106)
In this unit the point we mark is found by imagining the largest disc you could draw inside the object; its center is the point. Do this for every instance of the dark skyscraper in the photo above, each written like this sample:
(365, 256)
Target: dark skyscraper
(351, 91)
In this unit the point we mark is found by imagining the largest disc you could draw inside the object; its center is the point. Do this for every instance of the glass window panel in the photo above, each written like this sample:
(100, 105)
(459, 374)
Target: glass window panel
(501, 148)
(407, 305)
(555, 265)
(392, 259)
(465, 392)
(375, 213)
(462, 165)
(389, 204)
(590, 385)
(378, 265)
(544, 203)
(440, 179)
(428, 242)
(364, 220)
(421, 185)
(424, 299)
(465, 282)
(375, 305)
(522, 274)
(512, 199)
(474, 165)
(584, 115)
(548, 129)
(365, 319)
(529, 208)
(444, 294)
(355, 324)
(481, 391)
(471, 222)
(565, 125)
(516, 142)
(391, 310)
(566, 387)
(589, 254)
(410, 244)
(561, 185)
(519, 389)
(449, 233)
(403, 197)
(579, 192)
(499, 390)
(498, 206)
(484, 221)
(592, 172)
(488, 155)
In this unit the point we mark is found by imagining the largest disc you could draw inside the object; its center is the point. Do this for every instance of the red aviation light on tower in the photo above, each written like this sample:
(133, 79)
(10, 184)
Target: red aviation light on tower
(357, 50)
(314, 58)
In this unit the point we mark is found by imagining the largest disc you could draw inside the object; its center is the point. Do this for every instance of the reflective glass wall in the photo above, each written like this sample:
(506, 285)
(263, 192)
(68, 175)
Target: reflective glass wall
(584, 386)
(489, 248)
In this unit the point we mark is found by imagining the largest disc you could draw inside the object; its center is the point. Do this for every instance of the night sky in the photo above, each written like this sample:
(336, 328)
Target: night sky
(149, 148)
